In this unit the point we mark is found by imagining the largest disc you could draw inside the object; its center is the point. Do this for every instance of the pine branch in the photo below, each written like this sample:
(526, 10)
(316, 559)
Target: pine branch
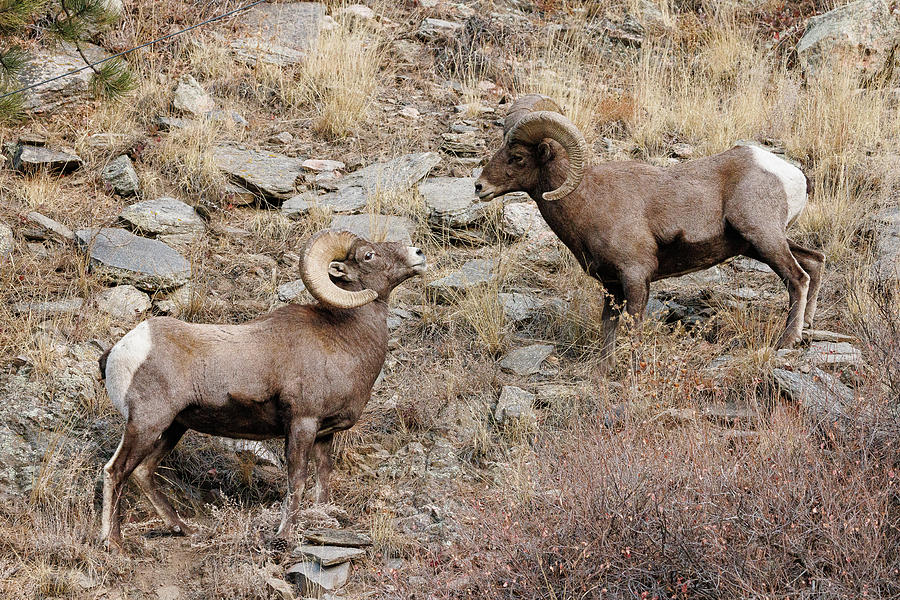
(113, 79)
(18, 13)
(12, 61)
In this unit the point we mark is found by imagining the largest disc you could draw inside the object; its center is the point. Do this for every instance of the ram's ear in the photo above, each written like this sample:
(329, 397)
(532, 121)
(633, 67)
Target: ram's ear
(544, 152)
(338, 270)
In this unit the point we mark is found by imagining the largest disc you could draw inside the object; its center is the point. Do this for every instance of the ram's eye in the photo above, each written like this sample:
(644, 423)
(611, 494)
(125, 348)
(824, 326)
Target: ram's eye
(369, 255)
(517, 160)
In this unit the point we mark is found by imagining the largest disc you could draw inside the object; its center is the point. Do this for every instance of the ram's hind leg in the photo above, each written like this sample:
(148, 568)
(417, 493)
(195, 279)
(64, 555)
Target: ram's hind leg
(324, 465)
(813, 263)
(144, 475)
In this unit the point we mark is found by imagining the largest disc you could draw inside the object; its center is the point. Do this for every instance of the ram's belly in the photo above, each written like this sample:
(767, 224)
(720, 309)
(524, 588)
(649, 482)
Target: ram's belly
(236, 418)
(679, 257)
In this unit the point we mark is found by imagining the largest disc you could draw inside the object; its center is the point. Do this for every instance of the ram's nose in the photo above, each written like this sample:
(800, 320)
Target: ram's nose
(417, 259)
(478, 187)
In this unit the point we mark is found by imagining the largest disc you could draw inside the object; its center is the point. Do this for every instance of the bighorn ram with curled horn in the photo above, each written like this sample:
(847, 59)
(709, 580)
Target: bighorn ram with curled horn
(299, 372)
(630, 223)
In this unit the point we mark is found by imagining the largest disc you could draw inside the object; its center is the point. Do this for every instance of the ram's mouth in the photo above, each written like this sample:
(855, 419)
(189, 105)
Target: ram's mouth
(485, 195)
(420, 267)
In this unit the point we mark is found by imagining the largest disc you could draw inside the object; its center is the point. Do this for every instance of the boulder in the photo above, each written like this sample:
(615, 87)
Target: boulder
(319, 165)
(384, 178)
(463, 144)
(122, 302)
(163, 216)
(336, 537)
(50, 229)
(271, 174)
(518, 307)
(74, 89)
(31, 159)
(120, 175)
(279, 34)
(190, 97)
(315, 580)
(838, 354)
(523, 220)
(473, 273)
(119, 256)
(862, 37)
(526, 360)
(451, 202)
(514, 404)
(376, 228)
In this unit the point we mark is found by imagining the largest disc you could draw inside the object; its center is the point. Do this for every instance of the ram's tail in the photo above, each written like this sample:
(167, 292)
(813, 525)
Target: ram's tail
(102, 362)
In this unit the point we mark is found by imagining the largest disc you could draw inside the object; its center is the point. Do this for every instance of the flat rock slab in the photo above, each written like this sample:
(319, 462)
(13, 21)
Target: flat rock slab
(122, 302)
(833, 353)
(190, 97)
(385, 178)
(376, 228)
(519, 307)
(514, 404)
(314, 580)
(119, 256)
(50, 228)
(822, 335)
(475, 272)
(348, 201)
(526, 360)
(269, 173)
(31, 159)
(66, 306)
(280, 33)
(452, 202)
(336, 537)
(163, 216)
(818, 392)
(46, 64)
(328, 556)
(120, 175)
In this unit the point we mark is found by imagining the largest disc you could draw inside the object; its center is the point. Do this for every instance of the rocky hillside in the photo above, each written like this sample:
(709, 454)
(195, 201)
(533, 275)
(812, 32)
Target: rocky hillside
(493, 460)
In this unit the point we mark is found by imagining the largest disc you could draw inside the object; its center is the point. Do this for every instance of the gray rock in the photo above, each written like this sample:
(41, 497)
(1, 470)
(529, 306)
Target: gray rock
(121, 176)
(742, 263)
(178, 302)
(50, 228)
(122, 302)
(821, 335)
(861, 37)
(434, 30)
(291, 290)
(452, 203)
(473, 273)
(523, 220)
(514, 404)
(163, 216)
(518, 307)
(7, 243)
(226, 116)
(684, 151)
(172, 123)
(279, 33)
(388, 178)
(31, 159)
(314, 580)
(833, 353)
(463, 144)
(47, 64)
(336, 537)
(190, 97)
(319, 165)
(376, 228)
(526, 360)
(818, 392)
(705, 277)
(328, 556)
(886, 267)
(119, 256)
(397, 316)
(359, 12)
(65, 306)
(269, 173)
(347, 201)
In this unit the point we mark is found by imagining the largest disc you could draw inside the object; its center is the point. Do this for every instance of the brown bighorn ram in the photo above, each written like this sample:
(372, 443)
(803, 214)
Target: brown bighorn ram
(630, 223)
(299, 372)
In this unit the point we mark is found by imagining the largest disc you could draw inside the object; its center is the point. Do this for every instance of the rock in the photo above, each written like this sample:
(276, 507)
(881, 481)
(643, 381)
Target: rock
(514, 404)
(271, 174)
(886, 267)
(291, 290)
(122, 302)
(742, 263)
(7, 242)
(704, 277)
(285, 137)
(74, 89)
(473, 273)
(452, 203)
(171, 123)
(105, 141)
(319, 165)
(731, 413)
(119, 256)
(49, 308)
(336, 537)
(684, 151)
(168, 592)
(523, 220)
(376, 228)
(240, 196)
(434, 30)
(473, 109)
(49, 228)
(833, 353)
(359, 12)
(31, 159)
(350, 201)
(463, 144)
(328, 556)
(526, 360)
(821, 335)
(518, 307)
(279, 34)
(253, 448)
(179, 302)
(190, 97)
(314, 579)
(120, 175)
(409, 111)
(226, 116)
(861, 37)
(164, 216)
(387, 178)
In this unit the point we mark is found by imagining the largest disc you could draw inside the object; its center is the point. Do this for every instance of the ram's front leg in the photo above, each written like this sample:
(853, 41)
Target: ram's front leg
(300, 440)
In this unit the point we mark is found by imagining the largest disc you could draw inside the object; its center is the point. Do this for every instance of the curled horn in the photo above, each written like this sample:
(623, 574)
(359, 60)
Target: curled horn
(533, 127)
(526, 104)
(321, 249)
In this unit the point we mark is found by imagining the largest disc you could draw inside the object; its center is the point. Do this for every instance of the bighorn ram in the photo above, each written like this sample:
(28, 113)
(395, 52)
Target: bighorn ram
(299, 372)
(630, 223)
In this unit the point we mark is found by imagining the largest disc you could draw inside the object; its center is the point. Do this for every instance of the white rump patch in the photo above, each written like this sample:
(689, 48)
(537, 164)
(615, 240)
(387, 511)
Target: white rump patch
(123, 361)
(791, 177)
